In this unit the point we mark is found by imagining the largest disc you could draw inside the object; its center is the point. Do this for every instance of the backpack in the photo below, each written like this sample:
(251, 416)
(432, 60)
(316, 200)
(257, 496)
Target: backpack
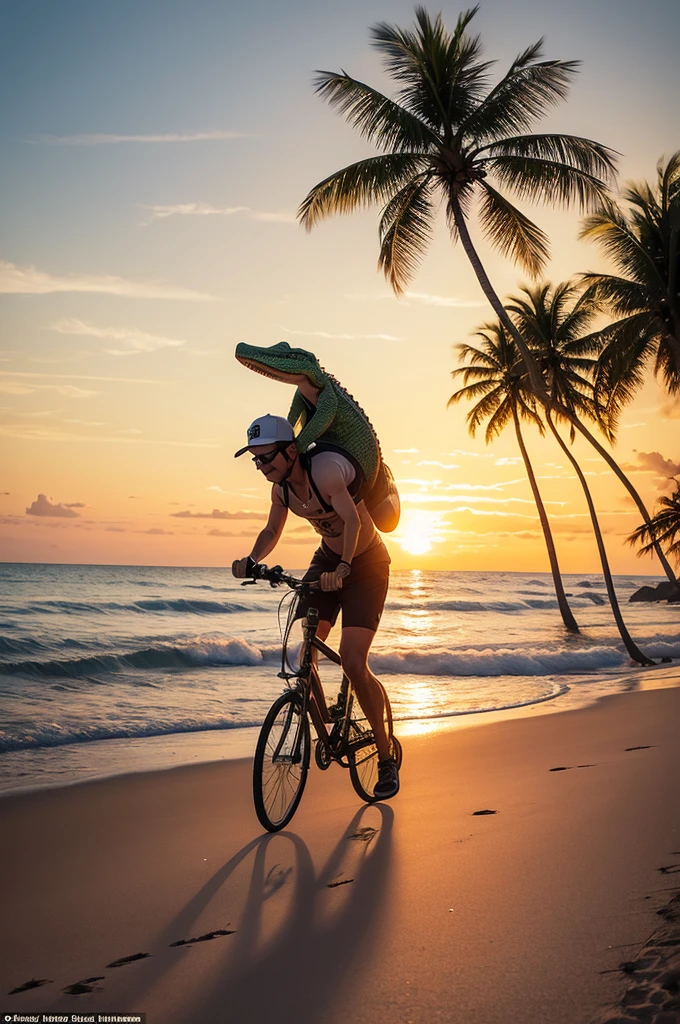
(381, 497)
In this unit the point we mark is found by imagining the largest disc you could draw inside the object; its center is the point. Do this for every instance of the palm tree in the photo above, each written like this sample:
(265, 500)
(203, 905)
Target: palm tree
(666, 527)
(495, 376)
(554, 332)
(445, 138)
(643, 240)
(553, 321)
(441, 140)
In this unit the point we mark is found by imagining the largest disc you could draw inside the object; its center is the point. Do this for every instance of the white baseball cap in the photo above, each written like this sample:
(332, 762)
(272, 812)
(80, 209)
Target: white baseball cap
(267, 430)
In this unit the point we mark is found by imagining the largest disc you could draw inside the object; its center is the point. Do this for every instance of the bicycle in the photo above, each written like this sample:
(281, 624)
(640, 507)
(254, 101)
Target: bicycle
(283, 752)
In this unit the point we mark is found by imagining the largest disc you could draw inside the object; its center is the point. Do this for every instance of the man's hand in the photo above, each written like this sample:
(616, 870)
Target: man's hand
(333, 580)
(239, 568)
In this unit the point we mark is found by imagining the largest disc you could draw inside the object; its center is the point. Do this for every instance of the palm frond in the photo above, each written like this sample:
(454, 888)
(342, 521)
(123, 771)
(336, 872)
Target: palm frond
(526, 92)
(547, 181)
(617, 295)
(484, 409)
(376, 117)
(470, 391)
(374, 180)
(611, 231)
(664, 528)
(441, 73)
(586, 155)
(667, 362)
(621, 366)
(499, 420)
(405, 231)
(511, 232)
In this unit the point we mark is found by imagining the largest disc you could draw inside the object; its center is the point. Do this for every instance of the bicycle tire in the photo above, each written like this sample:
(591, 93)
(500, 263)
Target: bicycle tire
(363, 768)
(281, 762)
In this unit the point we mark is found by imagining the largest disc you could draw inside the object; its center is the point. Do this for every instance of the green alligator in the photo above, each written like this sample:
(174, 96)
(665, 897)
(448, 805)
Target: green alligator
(337, 419)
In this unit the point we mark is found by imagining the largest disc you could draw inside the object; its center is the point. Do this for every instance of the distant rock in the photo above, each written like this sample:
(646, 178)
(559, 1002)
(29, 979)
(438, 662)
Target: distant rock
(665, 591)
(595, 598)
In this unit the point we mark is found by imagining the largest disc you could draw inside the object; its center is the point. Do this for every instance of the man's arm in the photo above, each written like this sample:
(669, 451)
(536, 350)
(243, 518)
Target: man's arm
(267, 539)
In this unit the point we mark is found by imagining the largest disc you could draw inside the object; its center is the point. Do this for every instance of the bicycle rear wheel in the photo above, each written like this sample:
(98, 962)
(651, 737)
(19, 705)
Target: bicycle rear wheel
(363, 760)
(281, 762)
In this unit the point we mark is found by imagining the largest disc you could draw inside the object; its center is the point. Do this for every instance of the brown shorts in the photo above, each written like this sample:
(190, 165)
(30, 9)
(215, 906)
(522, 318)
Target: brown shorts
(363, 593)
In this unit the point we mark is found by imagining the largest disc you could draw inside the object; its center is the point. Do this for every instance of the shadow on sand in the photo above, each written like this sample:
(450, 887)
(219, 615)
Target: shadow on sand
(299, 934)
(295, 969)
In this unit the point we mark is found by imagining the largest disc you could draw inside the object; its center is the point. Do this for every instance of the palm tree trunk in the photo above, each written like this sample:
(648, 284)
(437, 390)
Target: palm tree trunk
(538, 385)
(565, 610)
(630, 645)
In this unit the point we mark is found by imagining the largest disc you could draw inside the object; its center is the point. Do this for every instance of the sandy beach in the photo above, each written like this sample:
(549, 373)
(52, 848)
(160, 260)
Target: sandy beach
(159, 893)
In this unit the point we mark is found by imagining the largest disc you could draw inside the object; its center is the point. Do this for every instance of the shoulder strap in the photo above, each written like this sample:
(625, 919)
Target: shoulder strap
(307, 463)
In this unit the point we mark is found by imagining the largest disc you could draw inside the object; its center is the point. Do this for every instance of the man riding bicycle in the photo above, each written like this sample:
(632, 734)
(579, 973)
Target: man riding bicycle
(351, 566)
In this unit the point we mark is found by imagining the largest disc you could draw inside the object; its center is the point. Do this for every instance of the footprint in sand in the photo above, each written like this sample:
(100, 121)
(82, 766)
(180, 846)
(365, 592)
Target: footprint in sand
(128, 959)
(365, 834)
(344, 881)
(484, 812)
(81, 987)
(203, 938)
(33, 983)
(568, 768)
(647, 747)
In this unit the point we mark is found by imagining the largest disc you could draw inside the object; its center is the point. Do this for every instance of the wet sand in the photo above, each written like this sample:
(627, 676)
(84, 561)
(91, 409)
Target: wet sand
(159, 893)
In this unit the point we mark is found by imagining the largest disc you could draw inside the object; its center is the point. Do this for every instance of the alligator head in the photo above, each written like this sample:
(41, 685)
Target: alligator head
(281, 362)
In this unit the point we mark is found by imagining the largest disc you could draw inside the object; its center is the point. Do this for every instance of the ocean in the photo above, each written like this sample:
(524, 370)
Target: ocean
(109, 669)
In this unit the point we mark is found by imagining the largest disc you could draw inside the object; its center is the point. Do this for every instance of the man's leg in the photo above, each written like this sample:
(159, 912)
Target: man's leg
(354, 647)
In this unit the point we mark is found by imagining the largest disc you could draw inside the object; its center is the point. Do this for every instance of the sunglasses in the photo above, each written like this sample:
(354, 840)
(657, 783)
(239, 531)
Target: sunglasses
(264, 460)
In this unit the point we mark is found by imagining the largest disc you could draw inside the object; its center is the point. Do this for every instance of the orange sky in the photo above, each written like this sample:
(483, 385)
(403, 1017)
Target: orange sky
(148, 230)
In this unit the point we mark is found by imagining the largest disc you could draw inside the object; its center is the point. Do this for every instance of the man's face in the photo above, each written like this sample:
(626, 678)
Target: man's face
(271, 460)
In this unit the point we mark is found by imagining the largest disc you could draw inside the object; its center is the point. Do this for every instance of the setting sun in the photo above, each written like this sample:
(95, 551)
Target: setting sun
(416, 535)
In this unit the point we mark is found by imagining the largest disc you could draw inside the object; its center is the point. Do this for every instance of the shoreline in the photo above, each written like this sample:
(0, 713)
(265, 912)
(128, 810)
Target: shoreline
(406, 909)
(212, 746)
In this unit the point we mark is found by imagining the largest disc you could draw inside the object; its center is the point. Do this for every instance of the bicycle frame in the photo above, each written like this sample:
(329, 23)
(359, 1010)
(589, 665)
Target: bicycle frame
(336, 743)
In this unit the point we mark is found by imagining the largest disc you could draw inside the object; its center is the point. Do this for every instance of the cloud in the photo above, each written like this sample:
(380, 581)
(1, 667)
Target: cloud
(37, 432)
(74, 376)
(28, 280)
(42, 506)
(421, 298)
(88, 139)
(670, 410)
(217, 514)
(134, 339)
(342, 337)
(653, 462)
(161, 212)
(156, 531)
(16, 387)
(442, 300)
(229, 533)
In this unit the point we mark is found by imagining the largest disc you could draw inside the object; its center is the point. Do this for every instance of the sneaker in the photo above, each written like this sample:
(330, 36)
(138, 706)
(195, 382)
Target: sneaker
(388, 780)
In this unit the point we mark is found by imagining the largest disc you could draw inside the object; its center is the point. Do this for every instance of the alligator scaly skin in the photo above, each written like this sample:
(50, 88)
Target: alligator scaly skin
(338, 418)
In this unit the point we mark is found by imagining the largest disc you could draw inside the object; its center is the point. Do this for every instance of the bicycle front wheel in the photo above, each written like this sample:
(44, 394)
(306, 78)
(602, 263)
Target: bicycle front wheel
(281, 762)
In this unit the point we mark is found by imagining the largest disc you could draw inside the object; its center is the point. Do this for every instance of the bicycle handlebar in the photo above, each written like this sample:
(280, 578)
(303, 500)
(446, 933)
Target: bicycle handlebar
(274, 576)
